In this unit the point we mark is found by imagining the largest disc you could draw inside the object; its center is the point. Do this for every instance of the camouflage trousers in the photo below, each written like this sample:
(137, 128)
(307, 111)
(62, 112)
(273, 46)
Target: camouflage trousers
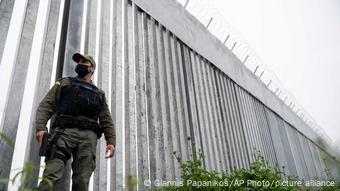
(81, 145)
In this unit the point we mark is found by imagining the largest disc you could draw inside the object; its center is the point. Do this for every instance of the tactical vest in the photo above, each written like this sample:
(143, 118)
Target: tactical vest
(80, 98)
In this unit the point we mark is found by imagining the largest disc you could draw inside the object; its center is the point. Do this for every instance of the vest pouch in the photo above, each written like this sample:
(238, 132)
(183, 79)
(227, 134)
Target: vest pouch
(80, 98)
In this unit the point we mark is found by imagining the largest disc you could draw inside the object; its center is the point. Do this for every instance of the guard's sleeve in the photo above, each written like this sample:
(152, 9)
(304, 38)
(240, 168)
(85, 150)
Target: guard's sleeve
(106, 124)
(47, 107)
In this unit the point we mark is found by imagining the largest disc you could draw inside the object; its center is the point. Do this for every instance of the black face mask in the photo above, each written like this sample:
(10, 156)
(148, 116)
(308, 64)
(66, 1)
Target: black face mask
(82, 70)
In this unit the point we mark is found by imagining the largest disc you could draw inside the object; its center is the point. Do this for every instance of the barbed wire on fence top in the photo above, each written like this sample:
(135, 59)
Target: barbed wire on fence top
(233, 40)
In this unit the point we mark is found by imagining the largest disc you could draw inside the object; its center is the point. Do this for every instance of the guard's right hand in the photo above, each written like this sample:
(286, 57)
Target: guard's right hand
(39, 136)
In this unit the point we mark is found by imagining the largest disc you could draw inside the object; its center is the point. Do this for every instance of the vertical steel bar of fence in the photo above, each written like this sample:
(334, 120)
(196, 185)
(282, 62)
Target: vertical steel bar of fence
(245, 60)
(232, 48)
(209, 22)
(261, 74)
(186, 4)
(226, 39)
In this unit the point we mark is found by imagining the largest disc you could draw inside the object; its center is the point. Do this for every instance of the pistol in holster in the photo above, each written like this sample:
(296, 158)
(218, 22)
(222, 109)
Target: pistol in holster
(44, 145)
(48, 145)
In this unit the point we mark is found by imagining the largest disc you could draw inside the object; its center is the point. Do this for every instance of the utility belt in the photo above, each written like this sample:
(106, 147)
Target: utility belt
(67, 121)
(62, 122)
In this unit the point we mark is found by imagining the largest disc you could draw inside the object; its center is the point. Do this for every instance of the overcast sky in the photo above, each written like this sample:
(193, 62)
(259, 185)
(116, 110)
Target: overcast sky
(300, 41)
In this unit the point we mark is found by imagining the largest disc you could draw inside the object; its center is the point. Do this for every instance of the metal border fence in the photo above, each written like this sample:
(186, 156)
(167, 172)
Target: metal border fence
(165, 94)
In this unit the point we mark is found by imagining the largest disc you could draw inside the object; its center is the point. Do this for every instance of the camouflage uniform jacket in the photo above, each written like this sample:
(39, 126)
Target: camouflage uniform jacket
(48, 107)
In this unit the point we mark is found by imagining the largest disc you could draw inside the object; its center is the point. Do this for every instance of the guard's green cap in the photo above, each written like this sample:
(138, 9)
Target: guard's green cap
(77, 56)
